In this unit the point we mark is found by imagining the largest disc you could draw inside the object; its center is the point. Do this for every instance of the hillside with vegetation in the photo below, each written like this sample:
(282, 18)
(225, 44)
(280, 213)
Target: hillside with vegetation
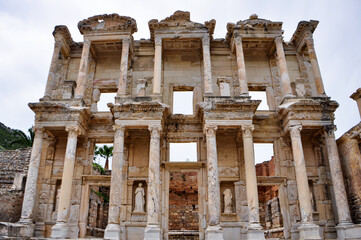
(14, 139)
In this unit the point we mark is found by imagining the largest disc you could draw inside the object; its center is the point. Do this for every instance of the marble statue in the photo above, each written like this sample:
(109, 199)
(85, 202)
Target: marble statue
(139, 199)
(227, 201)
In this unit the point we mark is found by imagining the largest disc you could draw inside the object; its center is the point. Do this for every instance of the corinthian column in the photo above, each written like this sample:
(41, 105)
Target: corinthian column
(207, 72)
(52, 70)
(343, 210)
(60, 229)
(285, 78)
(308, 230)
(31, 183)
(213, 231)
(113, 229)
(83, 69)
(152, 231)
(241, 66)
(314, 63)
(157, 79)
(122, 86)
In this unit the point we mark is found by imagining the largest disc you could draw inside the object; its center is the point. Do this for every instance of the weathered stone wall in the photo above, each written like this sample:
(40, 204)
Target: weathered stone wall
(13, 165)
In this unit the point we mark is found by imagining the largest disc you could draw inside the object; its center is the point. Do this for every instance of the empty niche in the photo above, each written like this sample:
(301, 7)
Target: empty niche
(183, 152)
(183, 102)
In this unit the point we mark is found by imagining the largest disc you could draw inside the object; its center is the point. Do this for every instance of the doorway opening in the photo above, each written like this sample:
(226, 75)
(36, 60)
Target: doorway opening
(183, 205)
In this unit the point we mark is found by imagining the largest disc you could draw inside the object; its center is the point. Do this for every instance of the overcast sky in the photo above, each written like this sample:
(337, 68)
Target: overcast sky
(26, 41)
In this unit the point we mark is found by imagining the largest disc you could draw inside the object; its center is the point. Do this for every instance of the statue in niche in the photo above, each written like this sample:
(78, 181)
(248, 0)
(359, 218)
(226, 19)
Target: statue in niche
(139, 199)
(227, 201)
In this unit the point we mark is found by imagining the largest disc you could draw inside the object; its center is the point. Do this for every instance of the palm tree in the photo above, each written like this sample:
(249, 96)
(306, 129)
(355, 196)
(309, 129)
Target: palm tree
(22, 140)
(105, 152)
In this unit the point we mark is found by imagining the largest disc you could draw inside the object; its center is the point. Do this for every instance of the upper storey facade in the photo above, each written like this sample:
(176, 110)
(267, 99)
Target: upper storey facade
(182, 55)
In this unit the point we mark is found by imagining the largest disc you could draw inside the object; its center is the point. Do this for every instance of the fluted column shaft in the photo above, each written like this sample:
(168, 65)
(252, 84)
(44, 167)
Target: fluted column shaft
(241, 66)
(314, 63)
(157, 79)
(153, 196)
(68, 172)
(343, 209)
(214, 203)
(207, 71)
(52, 70)
(285, 78)
(122, 85)
(251, 177)
(83, 69)
(32, 177)
(301, 175)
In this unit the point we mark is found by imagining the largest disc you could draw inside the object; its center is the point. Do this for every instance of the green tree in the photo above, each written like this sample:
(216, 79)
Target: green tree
(22, 140)
(105, 152)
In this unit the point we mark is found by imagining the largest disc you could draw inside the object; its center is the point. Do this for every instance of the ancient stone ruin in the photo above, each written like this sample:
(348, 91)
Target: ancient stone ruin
(299, 193)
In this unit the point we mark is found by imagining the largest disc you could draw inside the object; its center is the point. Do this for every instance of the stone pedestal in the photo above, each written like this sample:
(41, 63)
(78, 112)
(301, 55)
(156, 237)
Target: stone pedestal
(309, 231)
(113, 231)
(152, 232)
(214, 233)
(348, 231)
(255, 233)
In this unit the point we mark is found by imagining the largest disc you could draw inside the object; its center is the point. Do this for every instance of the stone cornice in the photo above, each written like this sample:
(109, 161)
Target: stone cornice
(356, 95)
(303, 29)
(152, 110)
(310, 110)
(253, 25)
(108, 22)
(180, 20)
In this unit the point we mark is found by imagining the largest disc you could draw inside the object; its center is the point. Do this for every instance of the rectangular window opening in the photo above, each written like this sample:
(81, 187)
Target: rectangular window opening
(263, 152)
(103, 154)
(105, 98)
(183, 152)
(260, 95)
(183, 102)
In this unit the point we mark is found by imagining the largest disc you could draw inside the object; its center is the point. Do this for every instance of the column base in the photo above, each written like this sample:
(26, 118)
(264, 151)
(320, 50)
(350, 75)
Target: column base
(59, 230)
(152, 232)
(113, 231)
(23, 228)
(348, 231)
(309, 231)
(214, 233)
(255, 231)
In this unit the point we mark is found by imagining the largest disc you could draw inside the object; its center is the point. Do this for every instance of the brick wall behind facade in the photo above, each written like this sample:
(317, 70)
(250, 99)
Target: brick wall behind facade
(12, 162)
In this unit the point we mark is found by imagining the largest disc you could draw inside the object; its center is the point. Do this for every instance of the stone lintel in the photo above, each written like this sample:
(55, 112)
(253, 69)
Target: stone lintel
(137, 123)
(229, 123)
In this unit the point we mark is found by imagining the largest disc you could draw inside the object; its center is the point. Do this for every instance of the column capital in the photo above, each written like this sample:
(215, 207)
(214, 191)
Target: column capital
(210, 130)
(330, 130)
(205, 40)
(155, 130)
(86, 42)
(73, 130)
(295, 130)
(158, 41)
(309, 40)
(38, 130)
(119, 129)
(247, 130)
(237, 39)
(126, 40)
(279, 39)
